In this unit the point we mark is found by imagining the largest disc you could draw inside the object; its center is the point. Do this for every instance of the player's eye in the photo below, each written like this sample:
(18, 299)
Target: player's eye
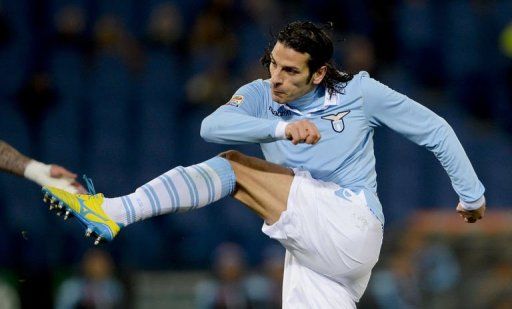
(291, 71)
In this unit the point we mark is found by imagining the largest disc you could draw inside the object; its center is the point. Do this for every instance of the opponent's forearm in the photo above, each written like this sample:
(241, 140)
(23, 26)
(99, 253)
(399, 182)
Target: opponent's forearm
(11, 160)
(14, 162)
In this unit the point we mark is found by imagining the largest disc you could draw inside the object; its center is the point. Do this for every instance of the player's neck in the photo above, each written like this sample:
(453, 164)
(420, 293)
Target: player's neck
(309, 100)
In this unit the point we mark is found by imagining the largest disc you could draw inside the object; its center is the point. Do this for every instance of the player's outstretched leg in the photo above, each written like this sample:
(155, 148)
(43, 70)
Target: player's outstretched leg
(178, 190)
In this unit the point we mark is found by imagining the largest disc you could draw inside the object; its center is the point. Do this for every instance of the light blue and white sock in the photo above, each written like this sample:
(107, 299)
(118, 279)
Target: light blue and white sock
(178, 190)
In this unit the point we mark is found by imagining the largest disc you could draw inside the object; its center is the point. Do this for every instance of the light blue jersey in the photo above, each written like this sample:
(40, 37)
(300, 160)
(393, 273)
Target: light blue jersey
(346, 122)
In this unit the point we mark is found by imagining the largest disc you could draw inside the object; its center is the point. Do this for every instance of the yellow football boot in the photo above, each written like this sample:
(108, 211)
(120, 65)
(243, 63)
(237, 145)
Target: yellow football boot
(86, 208)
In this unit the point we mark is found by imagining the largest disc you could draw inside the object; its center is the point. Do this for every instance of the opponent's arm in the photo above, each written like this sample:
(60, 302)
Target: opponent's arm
(14, 162)
(11, 160)
(384, 106)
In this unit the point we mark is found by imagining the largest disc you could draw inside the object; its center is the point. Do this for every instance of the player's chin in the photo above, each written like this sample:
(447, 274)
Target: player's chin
(280, 98)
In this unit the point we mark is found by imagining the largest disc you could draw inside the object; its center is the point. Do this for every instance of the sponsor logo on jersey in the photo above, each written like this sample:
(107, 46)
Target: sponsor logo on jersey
(236, 100)
(280, 112)
(337, 120)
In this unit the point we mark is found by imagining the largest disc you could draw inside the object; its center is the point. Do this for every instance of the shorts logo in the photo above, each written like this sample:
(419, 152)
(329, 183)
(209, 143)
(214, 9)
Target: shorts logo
(236, 100)
(337, 121)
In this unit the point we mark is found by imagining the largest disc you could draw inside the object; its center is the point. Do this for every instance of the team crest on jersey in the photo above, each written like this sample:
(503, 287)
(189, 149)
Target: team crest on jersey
(236, 100)
(337, 120)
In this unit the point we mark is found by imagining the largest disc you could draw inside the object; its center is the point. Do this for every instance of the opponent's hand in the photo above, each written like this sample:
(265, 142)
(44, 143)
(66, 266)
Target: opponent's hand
(471, 216)
(58, 172)
(302, 131)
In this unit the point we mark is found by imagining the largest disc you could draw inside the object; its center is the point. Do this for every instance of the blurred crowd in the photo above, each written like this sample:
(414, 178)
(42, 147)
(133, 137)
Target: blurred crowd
(433, 263)
(117, 90)
(233, 285)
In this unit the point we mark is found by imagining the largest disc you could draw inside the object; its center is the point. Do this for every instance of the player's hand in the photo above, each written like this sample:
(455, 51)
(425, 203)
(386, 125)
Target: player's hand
(57, 171)
(302, 131)
(471, 216)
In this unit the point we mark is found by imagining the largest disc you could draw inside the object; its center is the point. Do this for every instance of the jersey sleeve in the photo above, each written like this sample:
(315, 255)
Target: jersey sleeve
(241, 120)
(384, 106)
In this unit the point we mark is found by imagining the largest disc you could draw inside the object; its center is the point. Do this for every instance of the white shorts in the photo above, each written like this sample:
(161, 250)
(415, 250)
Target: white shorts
(332, 243)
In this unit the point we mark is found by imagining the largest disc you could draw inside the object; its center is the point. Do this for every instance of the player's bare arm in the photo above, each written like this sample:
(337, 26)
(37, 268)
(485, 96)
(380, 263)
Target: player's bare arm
(11, 160)
(471, 216)
(302, 131)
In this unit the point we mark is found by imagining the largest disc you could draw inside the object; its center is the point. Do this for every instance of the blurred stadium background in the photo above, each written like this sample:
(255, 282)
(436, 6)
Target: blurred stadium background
(116, 89)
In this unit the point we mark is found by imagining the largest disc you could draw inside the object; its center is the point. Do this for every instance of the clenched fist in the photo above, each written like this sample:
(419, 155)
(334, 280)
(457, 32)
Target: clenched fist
(471, 216)
(302, 131)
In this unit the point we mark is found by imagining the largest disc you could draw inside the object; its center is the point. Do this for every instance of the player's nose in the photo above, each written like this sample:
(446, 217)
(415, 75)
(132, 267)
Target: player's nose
(275, 84)
(275, 79)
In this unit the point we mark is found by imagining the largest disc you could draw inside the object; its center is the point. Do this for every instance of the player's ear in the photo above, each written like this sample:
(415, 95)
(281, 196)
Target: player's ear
(319, 75)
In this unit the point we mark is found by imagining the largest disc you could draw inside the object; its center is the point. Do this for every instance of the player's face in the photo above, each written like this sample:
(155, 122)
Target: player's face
(289, 74)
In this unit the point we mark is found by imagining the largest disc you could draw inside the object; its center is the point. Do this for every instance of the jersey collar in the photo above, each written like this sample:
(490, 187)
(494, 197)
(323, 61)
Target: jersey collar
(329, 100)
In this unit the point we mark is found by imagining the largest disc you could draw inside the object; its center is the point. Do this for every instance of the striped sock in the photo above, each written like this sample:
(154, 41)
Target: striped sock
(178, 190)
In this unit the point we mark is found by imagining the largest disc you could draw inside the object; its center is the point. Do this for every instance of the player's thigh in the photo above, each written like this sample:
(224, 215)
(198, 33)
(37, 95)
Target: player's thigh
(261, 185)
(335, 236)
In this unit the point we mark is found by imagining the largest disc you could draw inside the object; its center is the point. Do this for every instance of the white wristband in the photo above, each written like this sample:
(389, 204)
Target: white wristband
(40, 173)
(280, 132)
(37, 171)
(473, 205)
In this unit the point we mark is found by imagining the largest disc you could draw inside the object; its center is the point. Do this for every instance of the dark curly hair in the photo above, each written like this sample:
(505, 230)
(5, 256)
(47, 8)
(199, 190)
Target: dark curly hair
(306, 37)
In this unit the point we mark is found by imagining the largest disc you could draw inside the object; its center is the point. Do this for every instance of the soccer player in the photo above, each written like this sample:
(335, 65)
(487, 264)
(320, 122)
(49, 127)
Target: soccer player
(316, 190)
(13, 162)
